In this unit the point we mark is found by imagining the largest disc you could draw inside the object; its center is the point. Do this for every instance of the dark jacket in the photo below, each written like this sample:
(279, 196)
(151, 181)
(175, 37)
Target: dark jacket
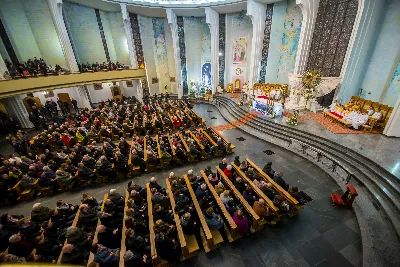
(109, 239)
(200, 193)
(79, 239)
(77, 257)
(88, 218)
(31, 231)
(50, 247)
(188, 226)
(103, 257)
(41, 215)
(19, 249)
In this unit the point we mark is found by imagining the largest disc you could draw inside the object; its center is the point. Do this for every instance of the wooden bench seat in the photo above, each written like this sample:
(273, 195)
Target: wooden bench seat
(186, 147)
(282, 192)
(230, 227)
(229, 145)
(256, 219)
(189, 245)
(200, 146)
(274, 209)
(207, 237)
(217, 152)
(157, 260)
(123, 247)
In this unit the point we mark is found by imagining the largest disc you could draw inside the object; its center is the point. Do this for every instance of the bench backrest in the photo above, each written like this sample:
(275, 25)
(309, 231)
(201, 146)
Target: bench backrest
(255, 188)
(183, 142)
(276, 186)
(238, 195)
(123, 247)
(151, 224)
(203, 222)
(228, 217)
(209, 138)
(171, 145)
(196, 140)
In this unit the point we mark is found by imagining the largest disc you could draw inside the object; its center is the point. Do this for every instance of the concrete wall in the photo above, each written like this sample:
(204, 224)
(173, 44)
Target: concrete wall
(192, 27)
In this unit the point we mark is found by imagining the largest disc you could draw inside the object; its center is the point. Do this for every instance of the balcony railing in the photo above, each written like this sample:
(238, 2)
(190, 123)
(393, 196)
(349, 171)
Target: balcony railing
(43, 83)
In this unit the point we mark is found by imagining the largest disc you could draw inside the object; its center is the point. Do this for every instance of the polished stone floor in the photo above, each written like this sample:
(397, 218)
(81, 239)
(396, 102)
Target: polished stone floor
(382, 149)
(320, 235)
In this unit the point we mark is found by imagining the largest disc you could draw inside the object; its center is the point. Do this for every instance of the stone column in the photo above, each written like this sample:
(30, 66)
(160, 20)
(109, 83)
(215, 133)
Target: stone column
(172, 21)
(55, 7)
(129, 36)
(310, 11)
(257, 12)
(16, 109)
(393, 125)
(212, 19)
(3, 68)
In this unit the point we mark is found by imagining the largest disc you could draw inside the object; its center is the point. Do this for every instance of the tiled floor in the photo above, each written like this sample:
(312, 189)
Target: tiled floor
(320, 235)
(382, 149)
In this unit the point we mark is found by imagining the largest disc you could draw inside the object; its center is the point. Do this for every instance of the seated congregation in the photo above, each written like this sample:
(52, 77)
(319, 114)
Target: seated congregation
(67, 154)
(154, 225)
(359, 112)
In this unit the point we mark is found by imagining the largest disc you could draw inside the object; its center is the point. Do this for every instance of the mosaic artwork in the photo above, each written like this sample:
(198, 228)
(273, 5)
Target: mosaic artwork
(205, 43)
(267, 37)
(290, 38)
(206, 74)
(161, 52)
(221, 74)
(239, 50)
(182, 55)
(334, 25)
(137, 40)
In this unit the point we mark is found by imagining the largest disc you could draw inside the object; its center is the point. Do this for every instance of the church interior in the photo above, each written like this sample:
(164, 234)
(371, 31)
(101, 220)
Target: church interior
(200, 133)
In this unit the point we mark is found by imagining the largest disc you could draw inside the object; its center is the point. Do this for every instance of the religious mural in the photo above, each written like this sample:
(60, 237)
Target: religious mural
(290, 39)
(239, 50)
(206, 74)
(394, 88)
(161, 53)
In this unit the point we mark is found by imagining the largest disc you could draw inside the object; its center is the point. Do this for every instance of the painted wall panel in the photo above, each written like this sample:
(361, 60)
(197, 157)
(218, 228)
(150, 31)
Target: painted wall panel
(193, 46)
(119, 37)
(18, 29)
(108, 35)
(161, 58)
(85, 31)
(237, 25)
(285, 34)
(170, 55)
(41, 23)
(383, 59)
(147, 35)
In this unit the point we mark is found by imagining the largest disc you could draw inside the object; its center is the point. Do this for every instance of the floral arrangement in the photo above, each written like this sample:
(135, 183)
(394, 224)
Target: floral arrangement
(310, 81)
(292, 121)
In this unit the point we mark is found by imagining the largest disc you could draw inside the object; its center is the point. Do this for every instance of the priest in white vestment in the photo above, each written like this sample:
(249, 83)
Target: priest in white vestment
(377, 115)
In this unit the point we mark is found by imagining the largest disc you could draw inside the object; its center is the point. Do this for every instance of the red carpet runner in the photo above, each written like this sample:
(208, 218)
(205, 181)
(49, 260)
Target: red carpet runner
(243, 120)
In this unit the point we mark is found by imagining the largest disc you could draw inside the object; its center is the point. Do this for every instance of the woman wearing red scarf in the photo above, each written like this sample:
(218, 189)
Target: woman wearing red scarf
(176, 122)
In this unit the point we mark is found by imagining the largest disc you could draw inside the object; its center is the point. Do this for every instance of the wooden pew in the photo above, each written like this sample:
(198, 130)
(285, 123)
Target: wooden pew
(274, 209)
(123, 247)
(249, 209)
(159, 152)
(202, 150)
(189, 245)
(231, 230)
(211, 239)
(282, 192)
(201, 118)
(190, 156)
(217, 151)
(145, 159)
(26, 194)
(74, 223)
(157, 260)
(229, 145)
(96, 237)
(189, 117)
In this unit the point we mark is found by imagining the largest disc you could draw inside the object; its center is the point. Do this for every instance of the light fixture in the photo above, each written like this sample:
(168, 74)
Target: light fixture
(220, 54)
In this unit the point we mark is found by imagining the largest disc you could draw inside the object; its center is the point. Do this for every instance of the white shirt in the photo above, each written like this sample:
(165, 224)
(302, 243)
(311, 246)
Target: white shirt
(377, 115)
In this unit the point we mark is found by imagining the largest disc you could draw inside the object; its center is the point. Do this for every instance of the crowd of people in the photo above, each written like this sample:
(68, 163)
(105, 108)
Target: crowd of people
(67, 153)
(75, 240)
(94, 67)
(31, 67)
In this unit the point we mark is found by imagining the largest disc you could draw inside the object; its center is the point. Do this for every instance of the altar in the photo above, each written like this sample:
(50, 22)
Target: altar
(267, 106)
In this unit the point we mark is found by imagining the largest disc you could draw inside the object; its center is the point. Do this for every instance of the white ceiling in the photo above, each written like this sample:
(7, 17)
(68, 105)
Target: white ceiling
(160, 12)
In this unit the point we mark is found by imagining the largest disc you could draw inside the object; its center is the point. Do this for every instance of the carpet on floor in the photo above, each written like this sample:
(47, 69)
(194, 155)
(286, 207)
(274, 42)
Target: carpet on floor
(234, 95)
(243, 120)
(335, 127)
(289, 114)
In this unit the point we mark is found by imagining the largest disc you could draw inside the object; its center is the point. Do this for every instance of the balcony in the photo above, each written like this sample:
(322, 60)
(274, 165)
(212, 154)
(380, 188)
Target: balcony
(43, 83)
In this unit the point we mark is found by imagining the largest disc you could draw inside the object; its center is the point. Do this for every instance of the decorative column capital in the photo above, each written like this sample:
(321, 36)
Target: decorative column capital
(256, 11)
(125, 13)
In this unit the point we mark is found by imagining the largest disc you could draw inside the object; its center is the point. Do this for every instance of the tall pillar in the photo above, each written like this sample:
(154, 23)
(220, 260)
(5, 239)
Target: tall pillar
(172, 21)
(310, 11)
(16, 109)
(393, 125)
(129, 36)
(3, 68)
(212, 19)
(256, 12)
(55, 7)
